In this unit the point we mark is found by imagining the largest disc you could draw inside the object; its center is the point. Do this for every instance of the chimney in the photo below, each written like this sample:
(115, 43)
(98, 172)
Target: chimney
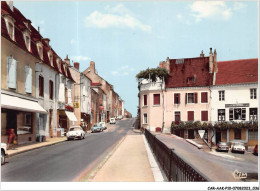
(92, 66)
(38, 29)
(76, 65)
(167, 65)
(210, 61)
(10, 4)
(47, 41)
(67, 60)
(202, 54)
(215, 62)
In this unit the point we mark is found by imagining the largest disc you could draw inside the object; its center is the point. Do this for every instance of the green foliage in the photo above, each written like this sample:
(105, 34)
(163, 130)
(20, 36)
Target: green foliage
(153, 73)
(219, 125)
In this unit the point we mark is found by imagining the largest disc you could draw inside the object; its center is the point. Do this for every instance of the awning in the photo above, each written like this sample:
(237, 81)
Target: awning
(71, 116)
(16, 103)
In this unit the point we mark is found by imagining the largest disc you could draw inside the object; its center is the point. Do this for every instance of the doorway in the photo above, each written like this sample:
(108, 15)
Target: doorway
(11, 120)
(191, 134)
(218, 136)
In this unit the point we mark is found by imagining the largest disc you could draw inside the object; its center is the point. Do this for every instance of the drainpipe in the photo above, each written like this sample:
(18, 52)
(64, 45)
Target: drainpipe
(163, 104)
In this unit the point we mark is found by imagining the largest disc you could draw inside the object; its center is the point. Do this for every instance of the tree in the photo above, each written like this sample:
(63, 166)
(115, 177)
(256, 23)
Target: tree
(153, 74)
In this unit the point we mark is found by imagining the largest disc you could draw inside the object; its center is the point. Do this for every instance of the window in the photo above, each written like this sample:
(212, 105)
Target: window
(26, 128)
(145, 100)
(190, 115)
(156, 99)
(252, 135)
(191, 80)
(237, 114)
(41, 86)
(221, 95)
(253, 93)
(145, 118)
(40, 50)
(28, 79)
(177, 116)
(191, 98)
(204, 115)
(237, 133)
(204, 97)
(11, 30)
(221, 115)
(11, 73)
(51, 59)
(51, 89)
(253, 114)
(177, 98)
(27, 40)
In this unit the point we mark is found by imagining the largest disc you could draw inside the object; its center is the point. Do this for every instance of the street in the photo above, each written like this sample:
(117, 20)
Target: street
(67, 161)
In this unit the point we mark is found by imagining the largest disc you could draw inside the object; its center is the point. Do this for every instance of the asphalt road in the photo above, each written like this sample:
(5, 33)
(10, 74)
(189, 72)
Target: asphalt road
(66, 161)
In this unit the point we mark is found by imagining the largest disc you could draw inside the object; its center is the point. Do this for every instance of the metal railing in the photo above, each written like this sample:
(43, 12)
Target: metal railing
(176, 168)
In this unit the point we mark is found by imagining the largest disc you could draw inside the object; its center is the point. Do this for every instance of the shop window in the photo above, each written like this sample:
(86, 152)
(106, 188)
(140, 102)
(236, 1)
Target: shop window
(204, 97)
(145, 100)
(156, 99)
(237, 114)
(191, 98)
(204, 115)
(252, 135)
(221, 95)
(51, 89)
(12, 65)
(221, 115)
(253, 93)
(28, 79)
(177, 116)
(41, 86)
(26, 128)
(253, 114)
(237, 134)
(177, 98)
(145, 118)
(190, 115)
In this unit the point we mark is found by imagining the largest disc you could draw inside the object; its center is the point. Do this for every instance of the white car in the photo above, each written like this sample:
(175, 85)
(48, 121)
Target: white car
(103, 125)
(120, 117)
(3, 153)
(238, 147)
(112, 121)
(75, 132)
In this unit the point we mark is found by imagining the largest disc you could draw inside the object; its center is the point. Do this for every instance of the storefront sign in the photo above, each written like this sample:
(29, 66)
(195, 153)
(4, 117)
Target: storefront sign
(76, 105)
(237, 105)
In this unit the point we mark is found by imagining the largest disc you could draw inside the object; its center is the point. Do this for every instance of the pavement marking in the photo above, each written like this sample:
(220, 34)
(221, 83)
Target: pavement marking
(157, 174)
(87, 176)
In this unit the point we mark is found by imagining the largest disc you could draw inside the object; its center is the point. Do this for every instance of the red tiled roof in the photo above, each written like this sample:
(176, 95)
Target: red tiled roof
(237, 71)
(35, 37)
(189, 67)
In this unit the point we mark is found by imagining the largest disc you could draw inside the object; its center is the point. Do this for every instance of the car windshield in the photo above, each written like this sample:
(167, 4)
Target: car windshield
(222, 143)
(238, 144)
(74, 128)
(95, 125)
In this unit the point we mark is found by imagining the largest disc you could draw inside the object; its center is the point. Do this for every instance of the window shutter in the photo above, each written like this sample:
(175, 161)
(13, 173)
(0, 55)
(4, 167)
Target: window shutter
(204, 115)
(29, 80)
(62, 93)
(175, 97)
(186, 97)
(145, 99)
(12, 73)
(190, 115)
(156, 99)
(26, 78)
(196, 97)
(179, 95)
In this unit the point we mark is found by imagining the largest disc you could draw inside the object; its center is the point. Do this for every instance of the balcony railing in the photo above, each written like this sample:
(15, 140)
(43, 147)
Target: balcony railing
(176, 168)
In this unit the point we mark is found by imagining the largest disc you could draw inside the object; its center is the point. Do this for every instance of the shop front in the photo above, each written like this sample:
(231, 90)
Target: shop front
(19, 113)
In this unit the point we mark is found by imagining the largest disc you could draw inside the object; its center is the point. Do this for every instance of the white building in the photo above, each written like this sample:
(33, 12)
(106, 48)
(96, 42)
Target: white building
(85, 101)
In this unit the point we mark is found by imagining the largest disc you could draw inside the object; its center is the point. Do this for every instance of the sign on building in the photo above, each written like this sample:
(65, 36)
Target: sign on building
(201, 133)
(76, 105)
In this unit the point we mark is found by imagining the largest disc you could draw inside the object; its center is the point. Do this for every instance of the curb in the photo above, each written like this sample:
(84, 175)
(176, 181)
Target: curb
(30, 149)
(195, 144)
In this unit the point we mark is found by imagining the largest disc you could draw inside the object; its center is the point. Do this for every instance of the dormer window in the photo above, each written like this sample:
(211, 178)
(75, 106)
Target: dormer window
(40, 50)
(11, 30)
(50, 57)
(191, 80)
(9, 21)
(58, 63)
(27, 40)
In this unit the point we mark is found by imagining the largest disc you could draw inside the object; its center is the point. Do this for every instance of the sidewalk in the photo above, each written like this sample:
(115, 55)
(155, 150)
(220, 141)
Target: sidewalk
(23, 148)
(129, 163)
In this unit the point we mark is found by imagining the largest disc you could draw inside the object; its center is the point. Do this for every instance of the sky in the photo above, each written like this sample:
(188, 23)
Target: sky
(125, 37)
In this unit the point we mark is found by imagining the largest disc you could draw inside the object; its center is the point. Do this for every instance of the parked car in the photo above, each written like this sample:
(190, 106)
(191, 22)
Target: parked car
(103, 125)
(96, 128)
(255, 152)
(120, 117)
(238, 147)
(222, 146)
(3, 153)
(75, 132)
(112, 121)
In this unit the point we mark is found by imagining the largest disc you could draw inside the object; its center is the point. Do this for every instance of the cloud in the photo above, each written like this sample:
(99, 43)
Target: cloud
(210, 10)
(122, 71)
(118, 17)
(239, 5)
(80, 58)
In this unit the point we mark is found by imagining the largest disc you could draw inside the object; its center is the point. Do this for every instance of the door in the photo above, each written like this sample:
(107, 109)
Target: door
(177, 118)
(191, 134)
(218, 136)
(11, 122)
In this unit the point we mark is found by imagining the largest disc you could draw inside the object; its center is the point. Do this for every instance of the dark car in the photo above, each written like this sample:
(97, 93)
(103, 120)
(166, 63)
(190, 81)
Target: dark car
(255, 152)
(222, 146)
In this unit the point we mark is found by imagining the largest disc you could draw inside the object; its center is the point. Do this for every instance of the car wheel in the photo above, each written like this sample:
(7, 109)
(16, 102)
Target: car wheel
(2, 157)
(68, 139)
